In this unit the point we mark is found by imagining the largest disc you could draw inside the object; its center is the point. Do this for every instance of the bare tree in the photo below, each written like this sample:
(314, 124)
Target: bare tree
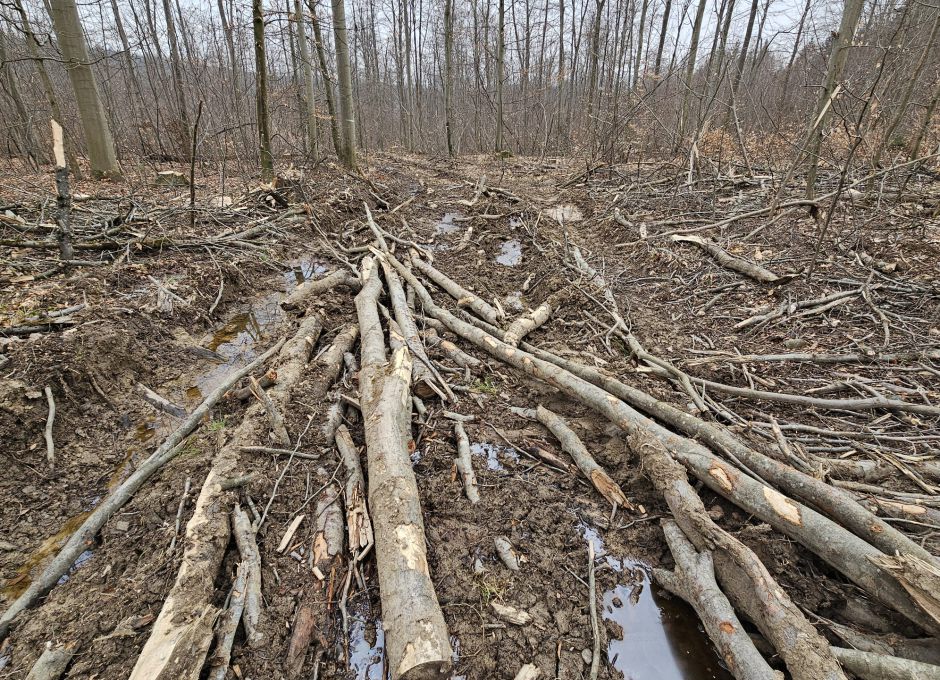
(344, 75)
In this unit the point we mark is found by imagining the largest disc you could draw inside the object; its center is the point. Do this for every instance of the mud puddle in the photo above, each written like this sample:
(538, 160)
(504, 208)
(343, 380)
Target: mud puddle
(492, 453)
(366, 647)
(661, 637)
(510, 253)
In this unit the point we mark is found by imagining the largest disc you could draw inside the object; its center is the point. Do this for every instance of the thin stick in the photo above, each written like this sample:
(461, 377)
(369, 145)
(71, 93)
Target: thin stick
(179, 514)
(50, 443)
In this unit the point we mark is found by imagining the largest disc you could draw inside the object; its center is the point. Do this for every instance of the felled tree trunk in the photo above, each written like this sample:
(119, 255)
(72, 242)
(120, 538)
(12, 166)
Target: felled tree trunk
(416, 637)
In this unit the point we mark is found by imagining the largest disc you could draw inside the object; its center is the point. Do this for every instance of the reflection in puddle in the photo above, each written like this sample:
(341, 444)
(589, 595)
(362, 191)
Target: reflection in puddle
(447, 225)
(513, 301)
(492, 451)
(366, 648)
(304, 270)
(661, 638)
(510, 253)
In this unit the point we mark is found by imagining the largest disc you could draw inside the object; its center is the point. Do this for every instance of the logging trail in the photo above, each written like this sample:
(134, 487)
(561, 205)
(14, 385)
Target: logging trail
(835, 375)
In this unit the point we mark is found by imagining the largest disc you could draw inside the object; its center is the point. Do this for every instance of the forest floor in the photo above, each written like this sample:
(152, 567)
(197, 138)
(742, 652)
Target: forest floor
(176, 309)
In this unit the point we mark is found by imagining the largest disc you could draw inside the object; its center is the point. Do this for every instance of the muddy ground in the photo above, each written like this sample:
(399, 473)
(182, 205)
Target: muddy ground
(177, 319)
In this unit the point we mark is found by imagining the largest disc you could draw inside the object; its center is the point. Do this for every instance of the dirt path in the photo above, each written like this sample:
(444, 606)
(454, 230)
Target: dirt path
(147, 320)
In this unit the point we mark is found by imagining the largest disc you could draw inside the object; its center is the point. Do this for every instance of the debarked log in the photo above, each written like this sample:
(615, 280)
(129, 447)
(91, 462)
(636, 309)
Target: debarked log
(416, 637)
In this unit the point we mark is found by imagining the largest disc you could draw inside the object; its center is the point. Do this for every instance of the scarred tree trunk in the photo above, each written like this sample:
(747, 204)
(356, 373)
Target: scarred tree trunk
(71, 39)
(261, 93)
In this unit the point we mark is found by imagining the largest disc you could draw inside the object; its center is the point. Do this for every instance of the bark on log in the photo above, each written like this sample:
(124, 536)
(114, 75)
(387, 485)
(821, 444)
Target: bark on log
(416, 637)
(245, 393)
(251, 559)
(463, 296)
(85, 535)
(694, 581)
(358, 522)
(52, 663)
(302, 295)
(181, 635)
(869, 666)
(572, 445)
(465, 464)
(841, 549)
(729, 261)
(529, 321)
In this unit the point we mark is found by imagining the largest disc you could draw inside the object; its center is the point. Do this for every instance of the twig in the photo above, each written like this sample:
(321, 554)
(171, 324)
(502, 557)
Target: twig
(179, 514)
(50, 443)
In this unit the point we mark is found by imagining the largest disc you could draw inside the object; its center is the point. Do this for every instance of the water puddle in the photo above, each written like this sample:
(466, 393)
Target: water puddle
(304, 270)
(661, 636)
(17, 585)
(366, 648)
(492, 453)
(448, 224)
(510, 253)
(513, 301)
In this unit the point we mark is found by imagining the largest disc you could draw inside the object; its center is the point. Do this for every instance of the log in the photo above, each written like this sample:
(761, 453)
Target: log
(85, 534)
(463, 296)
(276, 420)
(693, 580)
(729, 261)
(182, 633)
(835, 503)
(160, 403)
(52, 663)
(245, 393)
(358, 523)
(869, 666)
(465, 464)
(454, 353)
(302, 294)
(422, 372)
(416, 637)
(571, 444)
(251, 560)
(327, 543)
(328, 365)
(228, 625)
(529, 321)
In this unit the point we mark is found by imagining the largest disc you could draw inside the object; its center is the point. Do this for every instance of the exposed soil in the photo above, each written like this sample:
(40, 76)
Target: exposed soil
(156, 316)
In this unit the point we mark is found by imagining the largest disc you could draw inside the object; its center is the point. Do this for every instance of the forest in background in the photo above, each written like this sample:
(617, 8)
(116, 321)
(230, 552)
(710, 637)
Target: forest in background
(766, 83)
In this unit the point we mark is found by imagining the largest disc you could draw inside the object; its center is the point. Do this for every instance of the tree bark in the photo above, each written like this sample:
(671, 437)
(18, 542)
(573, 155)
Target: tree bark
(71, 39)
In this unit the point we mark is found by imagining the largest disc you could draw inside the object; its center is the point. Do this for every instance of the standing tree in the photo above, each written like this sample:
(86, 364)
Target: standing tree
(261, 93)
(500, 69)
(71, 39)
(851, 12)
(309, 102)
(344, 75)
(449, 74)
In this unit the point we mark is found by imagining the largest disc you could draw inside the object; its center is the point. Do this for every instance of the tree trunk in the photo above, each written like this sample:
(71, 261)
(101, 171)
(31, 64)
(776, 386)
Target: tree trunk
(851, 12)
(309, 99)
(449, 75)
(261, 93)
(500, 68)
(71, 39)
(327, 80)
(344, 75)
